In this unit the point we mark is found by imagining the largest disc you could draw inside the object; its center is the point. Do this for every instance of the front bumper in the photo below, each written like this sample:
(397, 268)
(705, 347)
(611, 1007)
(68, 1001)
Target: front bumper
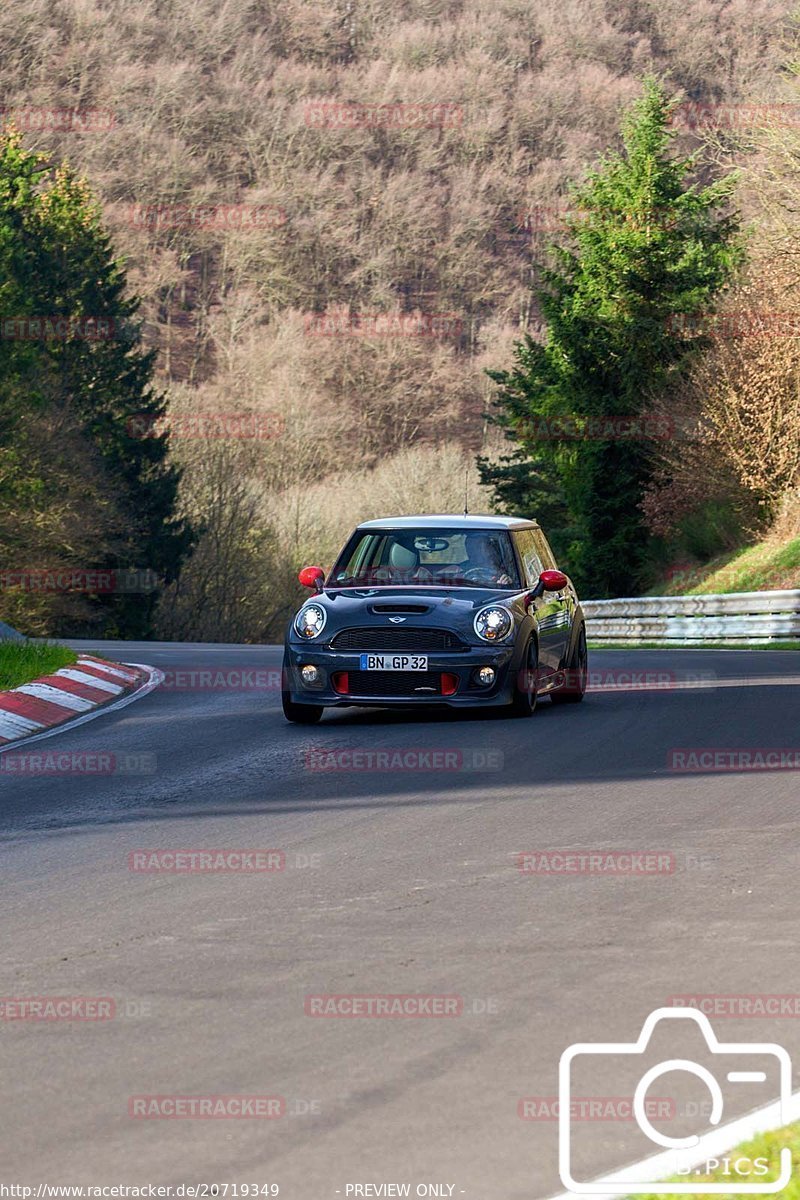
(461, 665)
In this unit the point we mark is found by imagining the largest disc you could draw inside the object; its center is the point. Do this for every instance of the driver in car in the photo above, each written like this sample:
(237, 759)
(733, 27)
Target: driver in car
(484, 561)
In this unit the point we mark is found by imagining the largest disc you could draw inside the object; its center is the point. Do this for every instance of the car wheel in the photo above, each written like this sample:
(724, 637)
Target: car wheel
(523, 703)
(300, 714)
(577, 674)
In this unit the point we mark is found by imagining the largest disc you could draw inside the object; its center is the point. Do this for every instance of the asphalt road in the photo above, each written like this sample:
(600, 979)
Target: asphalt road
(402, 881)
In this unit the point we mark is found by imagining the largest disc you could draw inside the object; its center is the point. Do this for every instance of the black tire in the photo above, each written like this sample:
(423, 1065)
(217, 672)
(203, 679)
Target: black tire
(526, 693)
(299, 714)
(577, 673)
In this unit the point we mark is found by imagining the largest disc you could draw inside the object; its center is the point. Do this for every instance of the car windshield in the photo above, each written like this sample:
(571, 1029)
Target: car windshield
(427, 557)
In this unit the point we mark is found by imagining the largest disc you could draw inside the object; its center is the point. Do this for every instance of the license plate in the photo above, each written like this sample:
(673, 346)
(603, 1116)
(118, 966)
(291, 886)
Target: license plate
(394, 662)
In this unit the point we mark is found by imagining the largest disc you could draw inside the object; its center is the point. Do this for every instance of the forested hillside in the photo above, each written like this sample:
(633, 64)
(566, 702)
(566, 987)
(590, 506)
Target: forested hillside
(260, 164)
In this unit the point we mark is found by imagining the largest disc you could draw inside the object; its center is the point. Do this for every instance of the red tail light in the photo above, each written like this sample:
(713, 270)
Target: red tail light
(341, 682)
(449, 684)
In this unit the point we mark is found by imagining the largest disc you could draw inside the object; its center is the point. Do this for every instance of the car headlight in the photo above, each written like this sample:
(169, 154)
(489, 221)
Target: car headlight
(310, 621)
(493, 623)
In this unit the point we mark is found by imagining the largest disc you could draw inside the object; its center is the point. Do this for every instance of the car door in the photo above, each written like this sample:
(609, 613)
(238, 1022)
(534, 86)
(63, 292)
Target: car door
(550, 607)
(563, 602)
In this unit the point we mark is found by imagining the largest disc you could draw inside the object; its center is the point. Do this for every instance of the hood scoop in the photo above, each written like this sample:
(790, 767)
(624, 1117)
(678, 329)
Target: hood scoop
(386, 609)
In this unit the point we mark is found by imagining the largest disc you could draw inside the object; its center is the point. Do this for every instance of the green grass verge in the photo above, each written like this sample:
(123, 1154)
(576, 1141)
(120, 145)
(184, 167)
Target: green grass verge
(766, 1146)
(20, 662)
(767, 567)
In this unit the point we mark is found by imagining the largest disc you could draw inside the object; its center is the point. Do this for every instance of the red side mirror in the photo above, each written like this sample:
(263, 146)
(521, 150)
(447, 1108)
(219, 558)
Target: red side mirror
(553, 581)
(312, 577)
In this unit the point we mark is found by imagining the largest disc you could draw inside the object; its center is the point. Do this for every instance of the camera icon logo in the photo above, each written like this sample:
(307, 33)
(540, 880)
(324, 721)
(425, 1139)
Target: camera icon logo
(679, 1154)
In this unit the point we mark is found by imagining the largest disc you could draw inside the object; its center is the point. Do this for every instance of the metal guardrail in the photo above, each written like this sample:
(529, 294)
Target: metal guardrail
(756, 618)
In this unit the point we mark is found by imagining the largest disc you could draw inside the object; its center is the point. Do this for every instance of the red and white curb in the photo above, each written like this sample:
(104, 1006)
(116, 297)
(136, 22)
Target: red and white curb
(72, 695)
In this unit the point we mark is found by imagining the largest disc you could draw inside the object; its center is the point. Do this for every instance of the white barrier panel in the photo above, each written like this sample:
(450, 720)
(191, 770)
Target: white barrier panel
(753, 617)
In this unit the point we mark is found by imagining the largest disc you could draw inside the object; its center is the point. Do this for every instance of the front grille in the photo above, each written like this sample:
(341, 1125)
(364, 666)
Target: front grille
(413, 639)
(393, 683)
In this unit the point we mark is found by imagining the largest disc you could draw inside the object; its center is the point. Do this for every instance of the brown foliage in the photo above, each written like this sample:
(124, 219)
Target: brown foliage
(738, 419)
(211, 104)
(211, 101)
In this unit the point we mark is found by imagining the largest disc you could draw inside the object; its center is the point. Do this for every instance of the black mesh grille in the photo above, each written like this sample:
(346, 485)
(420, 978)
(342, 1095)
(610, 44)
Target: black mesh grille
(416, 640)
(393, 683)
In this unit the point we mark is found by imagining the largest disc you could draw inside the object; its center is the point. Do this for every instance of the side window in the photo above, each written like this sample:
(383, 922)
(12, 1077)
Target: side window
(545, 553)
(529, 553)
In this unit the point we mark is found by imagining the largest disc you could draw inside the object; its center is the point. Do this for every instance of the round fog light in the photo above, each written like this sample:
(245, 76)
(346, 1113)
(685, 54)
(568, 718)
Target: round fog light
(486, 676)
(309, 674)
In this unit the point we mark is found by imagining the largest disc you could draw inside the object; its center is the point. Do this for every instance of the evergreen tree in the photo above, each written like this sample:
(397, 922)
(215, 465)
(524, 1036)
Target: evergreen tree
(526, 487)
(92, 379)
(647, 247)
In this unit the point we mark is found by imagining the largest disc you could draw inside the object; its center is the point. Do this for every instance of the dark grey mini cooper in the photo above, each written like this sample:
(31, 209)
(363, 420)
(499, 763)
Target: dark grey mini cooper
(459, 611)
